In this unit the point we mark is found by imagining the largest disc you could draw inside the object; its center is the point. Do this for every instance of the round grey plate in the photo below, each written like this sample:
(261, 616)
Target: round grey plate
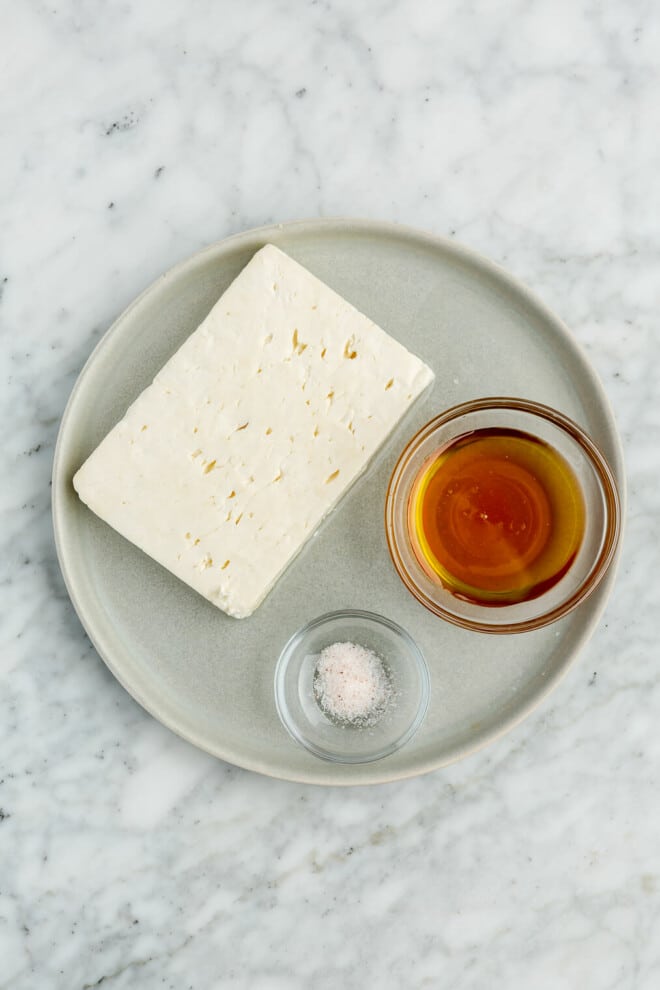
(209, 677)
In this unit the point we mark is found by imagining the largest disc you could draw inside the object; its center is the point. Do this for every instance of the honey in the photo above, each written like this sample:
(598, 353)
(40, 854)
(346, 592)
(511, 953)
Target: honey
(497, 516)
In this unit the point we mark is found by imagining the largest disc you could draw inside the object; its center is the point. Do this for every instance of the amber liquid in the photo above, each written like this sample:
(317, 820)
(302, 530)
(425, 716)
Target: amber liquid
(498, 516)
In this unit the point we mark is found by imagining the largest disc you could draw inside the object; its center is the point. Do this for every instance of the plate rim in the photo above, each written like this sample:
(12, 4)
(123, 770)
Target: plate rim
(331, 774)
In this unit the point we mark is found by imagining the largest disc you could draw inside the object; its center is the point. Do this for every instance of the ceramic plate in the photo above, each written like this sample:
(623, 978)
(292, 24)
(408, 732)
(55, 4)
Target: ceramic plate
(209, 677)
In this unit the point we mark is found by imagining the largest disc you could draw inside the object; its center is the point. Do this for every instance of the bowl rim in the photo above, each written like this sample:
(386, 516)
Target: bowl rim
(414, 651)
(607, 483)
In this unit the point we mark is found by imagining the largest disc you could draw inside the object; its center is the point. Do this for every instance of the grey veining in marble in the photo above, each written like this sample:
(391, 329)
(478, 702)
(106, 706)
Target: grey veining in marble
(130, 136)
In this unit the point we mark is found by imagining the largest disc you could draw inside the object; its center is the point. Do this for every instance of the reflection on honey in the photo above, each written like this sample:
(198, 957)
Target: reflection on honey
(498, 516)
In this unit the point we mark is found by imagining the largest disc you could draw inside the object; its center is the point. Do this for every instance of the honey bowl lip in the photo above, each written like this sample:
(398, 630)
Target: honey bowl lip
(606, 481)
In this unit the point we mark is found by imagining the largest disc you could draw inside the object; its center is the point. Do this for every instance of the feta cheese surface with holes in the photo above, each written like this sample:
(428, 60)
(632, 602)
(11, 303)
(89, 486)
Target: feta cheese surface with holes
(250, 434)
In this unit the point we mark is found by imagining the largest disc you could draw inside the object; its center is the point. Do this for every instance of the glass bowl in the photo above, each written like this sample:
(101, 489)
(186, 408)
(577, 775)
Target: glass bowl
(601, 509)
(310, 726)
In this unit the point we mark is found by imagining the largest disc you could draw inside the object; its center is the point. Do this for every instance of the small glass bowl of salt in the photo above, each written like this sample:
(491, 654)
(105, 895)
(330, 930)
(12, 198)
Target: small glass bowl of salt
(351, 686)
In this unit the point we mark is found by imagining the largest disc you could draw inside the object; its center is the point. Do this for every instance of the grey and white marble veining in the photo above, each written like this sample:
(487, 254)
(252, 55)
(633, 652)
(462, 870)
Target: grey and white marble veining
(131, 135)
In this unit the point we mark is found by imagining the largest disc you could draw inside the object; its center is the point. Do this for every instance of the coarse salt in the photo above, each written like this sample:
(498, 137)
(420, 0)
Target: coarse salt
(351, 684)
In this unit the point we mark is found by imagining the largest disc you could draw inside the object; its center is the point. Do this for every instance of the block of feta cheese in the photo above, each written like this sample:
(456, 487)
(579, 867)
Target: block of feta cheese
(250, 434)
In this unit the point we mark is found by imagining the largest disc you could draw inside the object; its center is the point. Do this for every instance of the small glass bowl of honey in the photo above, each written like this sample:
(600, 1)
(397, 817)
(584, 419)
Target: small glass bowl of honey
(502, 515)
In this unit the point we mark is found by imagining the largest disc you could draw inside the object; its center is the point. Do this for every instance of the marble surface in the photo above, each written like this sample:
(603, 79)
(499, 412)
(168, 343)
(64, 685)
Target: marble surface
(132, 134)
